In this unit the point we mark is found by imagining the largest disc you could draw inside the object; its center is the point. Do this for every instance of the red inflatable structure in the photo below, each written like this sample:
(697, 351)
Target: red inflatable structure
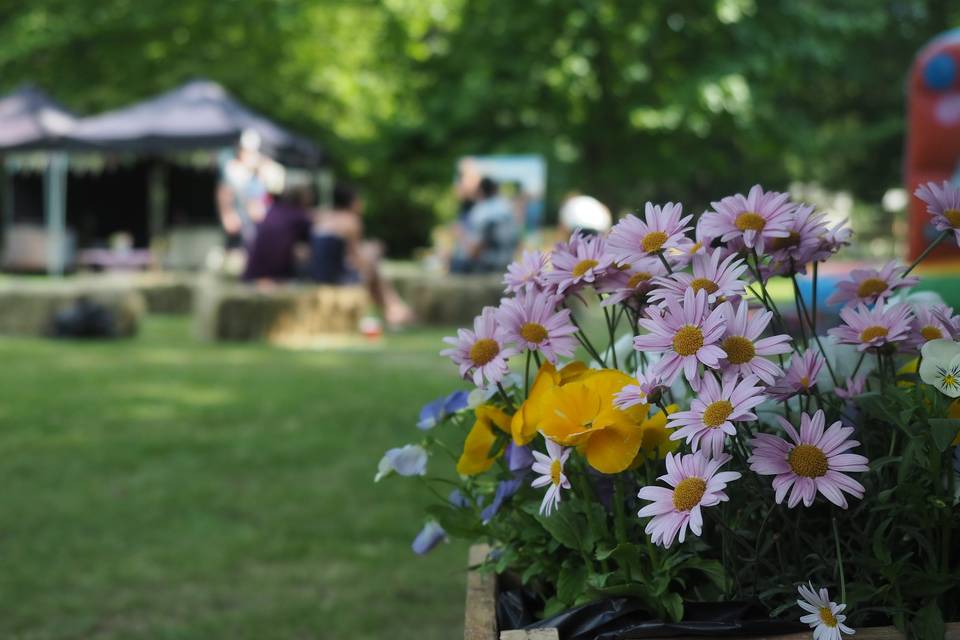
(933, 133)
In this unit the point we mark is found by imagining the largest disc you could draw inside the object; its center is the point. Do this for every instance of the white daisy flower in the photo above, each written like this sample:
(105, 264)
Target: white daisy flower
(550, 468)
(824, 617)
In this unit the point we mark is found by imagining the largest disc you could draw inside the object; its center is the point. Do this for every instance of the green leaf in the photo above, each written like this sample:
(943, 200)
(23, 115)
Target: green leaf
(910, 452)
(562, 524)
(928, 623)
(711, 568)
(673, 604)
(572, 582)
(943, 430)
(460, 523)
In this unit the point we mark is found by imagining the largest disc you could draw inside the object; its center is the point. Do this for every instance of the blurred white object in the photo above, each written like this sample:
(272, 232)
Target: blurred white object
(585, 212)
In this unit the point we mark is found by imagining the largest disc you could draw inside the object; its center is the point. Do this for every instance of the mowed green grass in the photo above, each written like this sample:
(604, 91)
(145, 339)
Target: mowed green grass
(161, 488)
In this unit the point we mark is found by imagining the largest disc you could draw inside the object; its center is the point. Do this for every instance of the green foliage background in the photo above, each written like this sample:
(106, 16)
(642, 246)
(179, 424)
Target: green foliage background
(627, 100)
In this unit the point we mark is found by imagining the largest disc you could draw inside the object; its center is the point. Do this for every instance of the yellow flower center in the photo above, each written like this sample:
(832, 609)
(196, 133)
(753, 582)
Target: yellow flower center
(556, 469)
(533, 332)
(808, 461)
(739, 349)
(639, 278)
(483, 351)
(750, 221)
(688, 492)
(583, 266)
(688, 340)
(872, 333)
(827, 617)
(653, 241)
(953, 217)
(950, 380)
(871, 287)
(931, 332)
(622, 267)
(717, 413)
(704, 284)
(805, 382)
(785, 243)
(695, 247)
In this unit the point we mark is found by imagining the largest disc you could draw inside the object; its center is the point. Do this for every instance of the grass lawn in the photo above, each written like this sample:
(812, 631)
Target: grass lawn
(160, 488)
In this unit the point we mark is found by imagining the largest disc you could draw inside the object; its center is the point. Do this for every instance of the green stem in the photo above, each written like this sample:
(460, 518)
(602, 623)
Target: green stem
(933, 245)
(843, 581)
(813, 303)
(620, 523)
(526, 376)
(506, 398)
(665, 263)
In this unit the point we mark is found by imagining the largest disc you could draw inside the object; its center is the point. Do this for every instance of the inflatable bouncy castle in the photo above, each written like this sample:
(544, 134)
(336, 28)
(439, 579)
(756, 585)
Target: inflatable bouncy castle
(933, 133)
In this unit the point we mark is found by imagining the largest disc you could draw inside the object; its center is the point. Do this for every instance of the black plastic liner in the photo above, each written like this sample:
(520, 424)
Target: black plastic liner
(625, 619)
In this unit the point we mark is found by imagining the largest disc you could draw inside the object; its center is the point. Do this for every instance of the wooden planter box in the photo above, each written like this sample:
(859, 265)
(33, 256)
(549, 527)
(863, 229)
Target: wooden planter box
(480, 620)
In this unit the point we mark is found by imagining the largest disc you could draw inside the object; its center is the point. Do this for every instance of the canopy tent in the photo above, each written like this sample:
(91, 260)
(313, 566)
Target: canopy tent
(30, 120)
(197, 115)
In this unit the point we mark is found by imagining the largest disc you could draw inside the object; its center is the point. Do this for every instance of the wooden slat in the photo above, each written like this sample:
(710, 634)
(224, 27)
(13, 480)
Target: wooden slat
(480, 622)
(480, 619)
(532, 634)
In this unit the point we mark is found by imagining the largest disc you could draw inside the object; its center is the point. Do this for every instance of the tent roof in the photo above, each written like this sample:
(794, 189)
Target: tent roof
(197, 115)
(30, 119)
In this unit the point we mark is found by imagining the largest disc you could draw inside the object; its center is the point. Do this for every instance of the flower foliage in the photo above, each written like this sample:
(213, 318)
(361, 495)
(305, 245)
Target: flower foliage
(694, 437)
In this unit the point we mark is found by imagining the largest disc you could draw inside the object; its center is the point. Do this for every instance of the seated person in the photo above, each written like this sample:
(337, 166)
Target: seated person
(340, 255)
(286, 226)
(490, 234)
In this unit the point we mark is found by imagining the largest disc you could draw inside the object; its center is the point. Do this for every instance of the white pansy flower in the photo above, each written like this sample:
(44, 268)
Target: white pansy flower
(940, 366)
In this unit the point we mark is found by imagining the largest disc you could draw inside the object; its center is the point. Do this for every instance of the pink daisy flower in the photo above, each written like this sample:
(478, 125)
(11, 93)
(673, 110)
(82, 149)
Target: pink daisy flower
(753, 220)
(712, 413)
(823, 615)
(695, 483)
(550, 468)
(646, 391)
(662, 228)
(580, 262)
(745, 349)
(873, 328)
(481, 353)
(812, 461)
(805, 233)
(625, 283)
(719, 279)
(943, 203)
(686, 334)
(532, 323)
(527, 273)
(934, 322)
(681, 255)
(835, 238)
(867, 286)
(852, 388)
(800, 378)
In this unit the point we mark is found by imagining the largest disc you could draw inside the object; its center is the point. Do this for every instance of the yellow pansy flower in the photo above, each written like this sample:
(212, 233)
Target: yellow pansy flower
(582, 414)
(526, 420)
(477, 446)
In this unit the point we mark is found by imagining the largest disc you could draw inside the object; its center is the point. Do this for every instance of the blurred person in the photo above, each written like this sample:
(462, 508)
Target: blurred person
(242, 194)
(283, 234)
(585, 213)
(340, 255)
(491, 233)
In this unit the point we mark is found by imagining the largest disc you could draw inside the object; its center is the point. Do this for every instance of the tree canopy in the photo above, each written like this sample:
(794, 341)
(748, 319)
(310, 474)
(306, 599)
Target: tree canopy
(627, 100)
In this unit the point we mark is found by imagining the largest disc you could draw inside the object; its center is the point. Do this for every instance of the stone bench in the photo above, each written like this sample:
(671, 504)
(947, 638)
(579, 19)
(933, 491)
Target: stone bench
(29, 305)
(232, 311)
(447, 299)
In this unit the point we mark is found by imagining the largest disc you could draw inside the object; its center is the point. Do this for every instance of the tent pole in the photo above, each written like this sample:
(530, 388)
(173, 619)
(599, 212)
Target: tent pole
(8, 201)
(54, 201)
(156, 201)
